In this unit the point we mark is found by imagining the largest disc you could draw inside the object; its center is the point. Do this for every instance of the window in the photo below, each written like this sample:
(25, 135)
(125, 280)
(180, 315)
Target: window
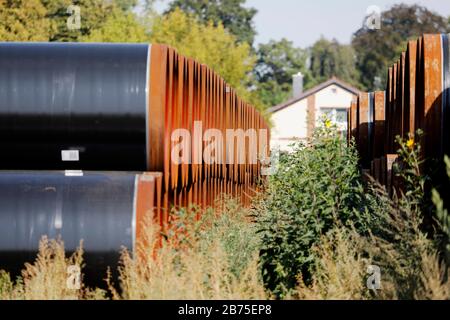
(328, 113)
(336, 115)
(341, 115)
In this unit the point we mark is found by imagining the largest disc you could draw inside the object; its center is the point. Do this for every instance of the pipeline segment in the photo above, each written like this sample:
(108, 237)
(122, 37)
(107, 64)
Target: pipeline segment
(110, 110)
(417, 97)
(106, 210)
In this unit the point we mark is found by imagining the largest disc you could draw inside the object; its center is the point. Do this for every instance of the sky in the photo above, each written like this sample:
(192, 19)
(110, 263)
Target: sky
(304, 21)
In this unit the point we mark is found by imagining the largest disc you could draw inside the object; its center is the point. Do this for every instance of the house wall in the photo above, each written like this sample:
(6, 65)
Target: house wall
(332, 96)
(291, 124)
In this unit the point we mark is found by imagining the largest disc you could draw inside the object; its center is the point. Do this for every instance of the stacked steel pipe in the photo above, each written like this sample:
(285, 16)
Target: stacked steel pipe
(417, 97)
(86, 133)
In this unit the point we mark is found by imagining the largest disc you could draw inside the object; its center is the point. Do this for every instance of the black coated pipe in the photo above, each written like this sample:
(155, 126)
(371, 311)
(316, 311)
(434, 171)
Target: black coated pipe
(86, 103)
(97, 207)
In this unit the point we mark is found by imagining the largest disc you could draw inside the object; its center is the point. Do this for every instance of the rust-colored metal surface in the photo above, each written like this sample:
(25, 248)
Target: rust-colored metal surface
(415, 98)
(148, 196)
(390, 160)
(188, 97)
(378, 124)
(393, 108)
(432, 103)
(377, 169)
(400, 107)
(410, 89)
(353, 129)
(363, 128)
(388, 111)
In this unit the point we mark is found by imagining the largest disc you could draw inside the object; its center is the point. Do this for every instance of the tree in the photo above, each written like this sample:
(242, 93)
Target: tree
(230, 13)
(329, 58)
(209, 44)
(46, 20)
(377, 49)
(93, 14)
(120, 26)
(125, 5)
(23, 20)
(277, 62)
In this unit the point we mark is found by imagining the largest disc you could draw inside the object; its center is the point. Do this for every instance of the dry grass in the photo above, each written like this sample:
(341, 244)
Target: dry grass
(217, 258)
(199, 268)
(411, 267)
(47, 278)
(434, 284)
(340, 271)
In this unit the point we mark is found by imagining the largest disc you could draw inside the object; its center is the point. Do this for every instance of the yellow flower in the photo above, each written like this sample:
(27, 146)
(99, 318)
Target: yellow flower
(410, 143)
(328, 124)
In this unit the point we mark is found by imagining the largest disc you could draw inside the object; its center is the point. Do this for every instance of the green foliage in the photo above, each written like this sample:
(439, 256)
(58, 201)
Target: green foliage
(93, 14)
(396, 242)
(409, 170)
(401, 227)
(329, 58)
(442, 215)
(229, 225)
(277, 62)
(120, 26)
(46, 20)
(6, 285)
(235, 232)
(236, 18)
(315, 188)
(415, 185)
(23, 20)
(209, 44)
(10, 289)
(125, 5)
(377, 49)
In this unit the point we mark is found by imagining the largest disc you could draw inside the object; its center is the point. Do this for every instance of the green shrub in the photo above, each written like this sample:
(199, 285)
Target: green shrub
(229, 224)
(315, 188)
(400, 241)
(442, 217)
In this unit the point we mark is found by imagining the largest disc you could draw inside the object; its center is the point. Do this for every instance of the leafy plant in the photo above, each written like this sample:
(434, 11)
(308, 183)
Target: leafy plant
(442, 215)
(315, 188)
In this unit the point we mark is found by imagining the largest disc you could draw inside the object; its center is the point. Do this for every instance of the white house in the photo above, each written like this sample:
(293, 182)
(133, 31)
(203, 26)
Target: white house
(296, 119)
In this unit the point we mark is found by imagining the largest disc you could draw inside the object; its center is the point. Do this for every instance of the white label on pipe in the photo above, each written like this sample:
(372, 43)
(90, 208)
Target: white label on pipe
(73, 173)
(70, 155)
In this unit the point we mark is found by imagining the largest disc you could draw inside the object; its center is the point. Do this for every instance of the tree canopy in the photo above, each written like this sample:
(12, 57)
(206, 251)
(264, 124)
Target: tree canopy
(277, 62)
(120, 26)
(230, 13)
(377, 49)
(23, 20)
(329, 58)
(209, 44)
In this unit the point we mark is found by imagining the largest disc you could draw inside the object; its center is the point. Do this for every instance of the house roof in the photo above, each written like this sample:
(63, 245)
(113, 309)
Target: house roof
(314, 90)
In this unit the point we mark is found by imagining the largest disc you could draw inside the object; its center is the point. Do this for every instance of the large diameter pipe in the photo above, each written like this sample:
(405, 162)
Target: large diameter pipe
(103, 209)
(74, 106)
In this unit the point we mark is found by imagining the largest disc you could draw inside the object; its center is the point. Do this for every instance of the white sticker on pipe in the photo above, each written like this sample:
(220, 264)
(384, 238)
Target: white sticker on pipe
(73, 173)
(70, 155)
